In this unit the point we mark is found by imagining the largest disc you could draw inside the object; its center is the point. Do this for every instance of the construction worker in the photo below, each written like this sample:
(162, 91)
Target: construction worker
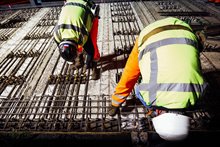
(76, 32)
(166, 55)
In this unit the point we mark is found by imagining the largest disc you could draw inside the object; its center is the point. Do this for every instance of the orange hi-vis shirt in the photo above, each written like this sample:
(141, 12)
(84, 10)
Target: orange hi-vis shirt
(128, 79)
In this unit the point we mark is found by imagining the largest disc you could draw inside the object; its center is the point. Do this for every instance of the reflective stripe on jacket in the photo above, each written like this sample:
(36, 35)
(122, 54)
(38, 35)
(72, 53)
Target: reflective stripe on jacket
(170, 66)
(75, 22)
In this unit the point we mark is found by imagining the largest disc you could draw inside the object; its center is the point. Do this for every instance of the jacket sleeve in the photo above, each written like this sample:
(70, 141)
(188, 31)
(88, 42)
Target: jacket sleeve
(93, 35)
(128, 79)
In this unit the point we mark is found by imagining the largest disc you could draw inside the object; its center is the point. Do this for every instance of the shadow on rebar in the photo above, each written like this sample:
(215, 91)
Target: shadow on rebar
(110, 62)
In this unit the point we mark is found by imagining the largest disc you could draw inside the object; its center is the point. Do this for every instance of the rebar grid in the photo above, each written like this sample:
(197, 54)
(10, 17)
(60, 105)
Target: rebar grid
(64, 104)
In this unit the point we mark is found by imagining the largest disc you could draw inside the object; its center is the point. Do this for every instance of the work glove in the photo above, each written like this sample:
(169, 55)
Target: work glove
(112, 110)
(95, 71)
(201, 40)
(79, 62)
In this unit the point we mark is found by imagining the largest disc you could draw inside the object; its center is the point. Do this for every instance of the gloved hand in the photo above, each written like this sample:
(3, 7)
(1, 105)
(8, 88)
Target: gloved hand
(201, 36)
(112, 110)
(95, 71)
(79, 62)
(201, 40)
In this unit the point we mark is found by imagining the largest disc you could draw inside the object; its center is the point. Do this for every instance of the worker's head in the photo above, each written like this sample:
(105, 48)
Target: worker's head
(171, 126)
(68, 51)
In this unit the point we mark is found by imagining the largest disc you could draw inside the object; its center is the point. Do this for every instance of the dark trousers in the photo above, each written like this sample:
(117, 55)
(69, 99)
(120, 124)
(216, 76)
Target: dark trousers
(89, 48)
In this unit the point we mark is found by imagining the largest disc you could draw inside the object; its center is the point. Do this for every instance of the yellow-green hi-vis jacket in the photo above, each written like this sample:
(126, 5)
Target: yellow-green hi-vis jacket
(169, 64)
(75, 22)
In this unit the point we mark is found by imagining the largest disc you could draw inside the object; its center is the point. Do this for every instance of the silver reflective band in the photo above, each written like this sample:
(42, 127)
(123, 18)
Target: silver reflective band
(73, 27)
(116, 102)
(178, 87)
(153, 86)
(165, 42)
(119, 96)
(68, 42)
(70, 63)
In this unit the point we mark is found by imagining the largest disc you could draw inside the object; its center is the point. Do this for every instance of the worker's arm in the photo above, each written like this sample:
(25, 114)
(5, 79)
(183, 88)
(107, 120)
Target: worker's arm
(128, 79)
(93, 35)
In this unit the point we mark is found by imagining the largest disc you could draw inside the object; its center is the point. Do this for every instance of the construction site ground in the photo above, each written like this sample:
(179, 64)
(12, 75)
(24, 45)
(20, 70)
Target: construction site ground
(45, 101)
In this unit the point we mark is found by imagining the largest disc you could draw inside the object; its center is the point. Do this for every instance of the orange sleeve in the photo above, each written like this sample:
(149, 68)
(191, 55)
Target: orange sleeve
(129, 76)
(94, 34)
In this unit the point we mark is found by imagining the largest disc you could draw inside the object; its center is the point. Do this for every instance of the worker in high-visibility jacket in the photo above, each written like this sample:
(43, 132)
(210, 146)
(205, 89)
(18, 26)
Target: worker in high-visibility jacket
(76, 31)
(166, 55)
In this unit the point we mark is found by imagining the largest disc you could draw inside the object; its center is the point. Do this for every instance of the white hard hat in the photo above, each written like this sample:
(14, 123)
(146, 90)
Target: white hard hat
(171, 126)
